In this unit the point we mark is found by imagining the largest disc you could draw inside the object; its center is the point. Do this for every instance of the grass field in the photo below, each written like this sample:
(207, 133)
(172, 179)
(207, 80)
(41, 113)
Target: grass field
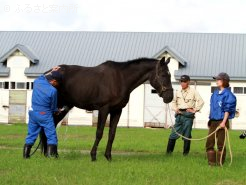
(138, 158)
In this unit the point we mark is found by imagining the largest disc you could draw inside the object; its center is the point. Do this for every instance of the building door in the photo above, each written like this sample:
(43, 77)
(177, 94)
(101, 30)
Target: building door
(154, 115)
(17, 106)
(156, 112)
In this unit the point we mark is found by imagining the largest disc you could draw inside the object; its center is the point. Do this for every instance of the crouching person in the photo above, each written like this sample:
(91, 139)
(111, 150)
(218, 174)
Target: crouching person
(44, 104)
(222, 108)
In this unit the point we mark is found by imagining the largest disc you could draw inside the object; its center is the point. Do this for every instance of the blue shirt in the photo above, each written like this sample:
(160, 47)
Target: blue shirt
(44, 96)
(222, 102)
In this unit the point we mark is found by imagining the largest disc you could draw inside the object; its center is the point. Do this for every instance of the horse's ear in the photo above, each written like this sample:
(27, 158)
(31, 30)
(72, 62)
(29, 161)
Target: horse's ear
(162, 61)
(168, 60)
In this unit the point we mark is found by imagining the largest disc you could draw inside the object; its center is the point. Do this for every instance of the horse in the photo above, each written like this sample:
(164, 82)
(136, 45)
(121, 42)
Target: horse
(107, 88)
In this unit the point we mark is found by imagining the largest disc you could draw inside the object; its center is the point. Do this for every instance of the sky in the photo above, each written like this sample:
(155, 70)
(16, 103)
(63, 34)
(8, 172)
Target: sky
(206, 16)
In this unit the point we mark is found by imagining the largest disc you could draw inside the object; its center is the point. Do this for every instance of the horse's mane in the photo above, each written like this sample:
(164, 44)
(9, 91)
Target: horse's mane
(129, 62)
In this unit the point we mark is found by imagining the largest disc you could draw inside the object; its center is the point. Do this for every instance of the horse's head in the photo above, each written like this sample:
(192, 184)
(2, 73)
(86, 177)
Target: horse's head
(161, 80)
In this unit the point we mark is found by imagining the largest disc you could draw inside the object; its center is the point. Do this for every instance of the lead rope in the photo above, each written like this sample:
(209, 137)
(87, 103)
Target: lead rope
(203, 138)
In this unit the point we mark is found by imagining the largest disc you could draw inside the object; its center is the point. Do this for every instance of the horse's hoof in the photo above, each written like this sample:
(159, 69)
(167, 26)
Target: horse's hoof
(93, 158)
(108, 157)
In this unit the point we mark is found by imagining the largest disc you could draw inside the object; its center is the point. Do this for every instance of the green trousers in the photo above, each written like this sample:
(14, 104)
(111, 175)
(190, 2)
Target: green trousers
(183, 125)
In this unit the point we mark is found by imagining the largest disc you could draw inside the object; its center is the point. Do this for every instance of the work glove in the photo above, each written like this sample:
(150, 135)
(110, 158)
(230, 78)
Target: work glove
(243, 135)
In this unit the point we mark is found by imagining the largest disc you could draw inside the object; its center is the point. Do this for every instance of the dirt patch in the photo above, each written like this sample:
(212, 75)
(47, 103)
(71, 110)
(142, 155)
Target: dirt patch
(229, 182)
(11, 136)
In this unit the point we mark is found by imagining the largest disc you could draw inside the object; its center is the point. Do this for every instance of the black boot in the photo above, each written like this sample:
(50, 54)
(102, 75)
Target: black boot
(186, 147)
(171, 145)
(27, 151)
(52, 151)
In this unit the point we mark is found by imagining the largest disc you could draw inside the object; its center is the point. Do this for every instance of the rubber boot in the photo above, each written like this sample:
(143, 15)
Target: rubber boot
(170, 146)
(211, 154)
(186, 149)
(219, 157)
(52, 151)
(27, 151)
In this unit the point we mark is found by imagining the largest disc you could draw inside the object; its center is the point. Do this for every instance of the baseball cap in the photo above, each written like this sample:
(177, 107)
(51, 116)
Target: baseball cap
(222, 76)
(54, 75)
(184, 78)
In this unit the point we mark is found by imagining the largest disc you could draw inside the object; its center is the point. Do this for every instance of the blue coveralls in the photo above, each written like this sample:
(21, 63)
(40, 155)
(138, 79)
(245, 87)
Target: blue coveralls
(44, 104)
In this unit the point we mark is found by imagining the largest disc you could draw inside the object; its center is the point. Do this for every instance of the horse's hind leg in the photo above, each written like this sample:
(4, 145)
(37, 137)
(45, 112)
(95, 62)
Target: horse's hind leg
(114, 119)
(43, 142)
(102, 117)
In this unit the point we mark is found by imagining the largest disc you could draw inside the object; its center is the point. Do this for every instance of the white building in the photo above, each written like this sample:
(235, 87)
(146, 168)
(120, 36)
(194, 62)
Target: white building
(26, 55)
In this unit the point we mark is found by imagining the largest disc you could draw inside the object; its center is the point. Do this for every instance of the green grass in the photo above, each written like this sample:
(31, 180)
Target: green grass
(138, 158)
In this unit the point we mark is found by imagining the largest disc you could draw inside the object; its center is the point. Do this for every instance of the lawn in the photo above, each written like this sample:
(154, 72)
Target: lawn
(138, 158)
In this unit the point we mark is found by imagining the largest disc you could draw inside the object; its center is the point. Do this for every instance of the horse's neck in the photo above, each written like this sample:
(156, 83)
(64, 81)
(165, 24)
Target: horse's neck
(137, 74)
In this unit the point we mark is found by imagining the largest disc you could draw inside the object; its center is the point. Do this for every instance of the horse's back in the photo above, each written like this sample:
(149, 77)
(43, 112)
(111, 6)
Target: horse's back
(92, 85)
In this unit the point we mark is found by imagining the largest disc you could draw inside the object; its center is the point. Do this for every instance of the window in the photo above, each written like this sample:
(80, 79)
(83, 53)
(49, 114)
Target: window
(238, 90)
(6, 85)
(20, 85)
(153, 91)
(1, 85)
(28, 85)
(244, 90)
(12, 85)
(31, 85)
(213, 88)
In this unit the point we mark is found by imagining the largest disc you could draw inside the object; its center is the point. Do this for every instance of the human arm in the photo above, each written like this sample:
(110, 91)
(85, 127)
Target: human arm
(174, 104)
(229, 107)
(199, 102)
(223, 123)
(54, 101)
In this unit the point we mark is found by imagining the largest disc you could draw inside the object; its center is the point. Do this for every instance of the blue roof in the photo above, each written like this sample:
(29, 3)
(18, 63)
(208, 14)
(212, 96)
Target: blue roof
(201, 55)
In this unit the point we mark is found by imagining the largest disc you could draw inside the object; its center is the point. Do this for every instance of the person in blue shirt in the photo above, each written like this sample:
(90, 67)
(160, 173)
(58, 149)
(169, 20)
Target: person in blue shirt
(222, 108)
(44, 105)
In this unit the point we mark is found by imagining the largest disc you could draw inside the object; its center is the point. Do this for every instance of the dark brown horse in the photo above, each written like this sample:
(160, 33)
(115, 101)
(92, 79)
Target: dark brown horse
(107, 88)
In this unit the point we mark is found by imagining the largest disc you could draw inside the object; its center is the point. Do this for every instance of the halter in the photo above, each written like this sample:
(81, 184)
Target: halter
(157, 77)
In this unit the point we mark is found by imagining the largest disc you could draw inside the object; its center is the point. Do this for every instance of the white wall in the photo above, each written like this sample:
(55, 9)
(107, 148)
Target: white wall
(28, 103)
(4, 101)
(239, 123)
(136, 107)
(17, 65)
(79, 117)
(202, 116)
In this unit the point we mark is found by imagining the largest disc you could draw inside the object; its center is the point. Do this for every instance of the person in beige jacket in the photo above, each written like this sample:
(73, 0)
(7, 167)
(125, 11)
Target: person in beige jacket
(186, 102)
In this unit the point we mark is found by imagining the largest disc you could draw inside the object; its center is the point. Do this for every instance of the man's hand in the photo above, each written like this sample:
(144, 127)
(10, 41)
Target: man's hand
(177, 111)
(58, 112)
(56, 68)
(243, 135)
(191, 110)
(222, 124)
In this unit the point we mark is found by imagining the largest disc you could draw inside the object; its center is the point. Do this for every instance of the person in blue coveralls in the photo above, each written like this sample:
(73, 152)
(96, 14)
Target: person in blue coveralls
(44, 105)
(222, 108)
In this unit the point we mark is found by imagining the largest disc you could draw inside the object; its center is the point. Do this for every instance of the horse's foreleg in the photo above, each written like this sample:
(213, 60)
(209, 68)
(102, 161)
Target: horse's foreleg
(114, 119)
(102, 117)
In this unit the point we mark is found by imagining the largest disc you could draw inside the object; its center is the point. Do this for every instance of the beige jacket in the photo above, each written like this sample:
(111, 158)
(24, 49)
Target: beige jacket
(188, 98)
